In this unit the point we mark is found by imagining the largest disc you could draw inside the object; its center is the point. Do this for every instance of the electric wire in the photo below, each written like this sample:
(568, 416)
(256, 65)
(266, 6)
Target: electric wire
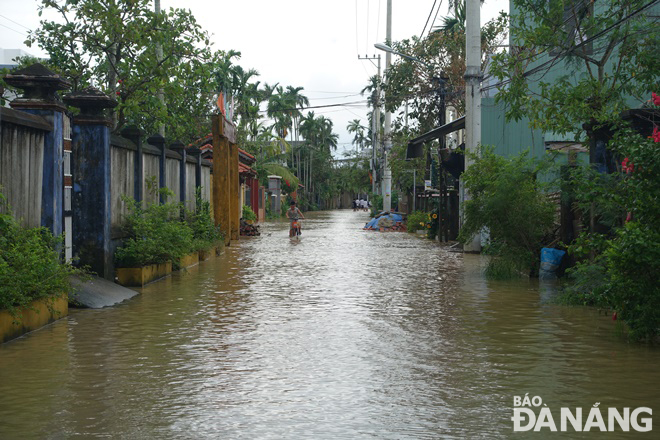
(366, 42)
(357, 48)
(435, 18)
(15, 22)
(12, 29)
(552, 62)
(378, 19)
(427, 20)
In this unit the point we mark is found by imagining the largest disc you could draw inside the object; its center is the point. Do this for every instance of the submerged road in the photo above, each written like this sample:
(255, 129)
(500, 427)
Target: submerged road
(347, 334)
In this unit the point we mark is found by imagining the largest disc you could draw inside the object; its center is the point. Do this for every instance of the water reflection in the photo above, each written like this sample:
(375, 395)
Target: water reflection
(345, 334)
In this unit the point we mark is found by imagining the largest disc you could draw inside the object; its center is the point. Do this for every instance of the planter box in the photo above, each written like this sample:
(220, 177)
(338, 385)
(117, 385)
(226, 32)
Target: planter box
(207, 253)
(140, 276)
(189, 260)
(32, 319)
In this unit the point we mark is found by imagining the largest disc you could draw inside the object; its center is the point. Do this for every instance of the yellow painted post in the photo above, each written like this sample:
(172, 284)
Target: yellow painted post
(221, 205)
(234, 188)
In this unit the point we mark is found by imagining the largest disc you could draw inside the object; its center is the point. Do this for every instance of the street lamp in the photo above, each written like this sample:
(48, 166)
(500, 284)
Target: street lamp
(388, 142)
(439, 83)
(387, 48)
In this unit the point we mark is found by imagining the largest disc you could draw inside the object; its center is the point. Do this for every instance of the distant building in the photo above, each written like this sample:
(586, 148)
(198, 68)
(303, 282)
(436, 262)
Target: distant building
(7, 57)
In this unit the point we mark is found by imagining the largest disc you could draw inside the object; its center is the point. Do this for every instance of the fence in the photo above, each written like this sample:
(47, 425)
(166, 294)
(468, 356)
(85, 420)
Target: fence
(70, 175)
(21, 159)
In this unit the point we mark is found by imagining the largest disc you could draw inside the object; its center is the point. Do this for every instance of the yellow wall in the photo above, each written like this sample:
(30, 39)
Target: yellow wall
(32, 319)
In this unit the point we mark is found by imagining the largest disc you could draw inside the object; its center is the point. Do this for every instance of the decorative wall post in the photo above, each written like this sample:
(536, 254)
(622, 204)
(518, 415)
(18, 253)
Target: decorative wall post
(40, 97)
(158, 141)
(275, 187)
(197, 154)
(91, 180)
(234, 189)
(183, 175)
(134, 134)
(254, 195)
(223, 135)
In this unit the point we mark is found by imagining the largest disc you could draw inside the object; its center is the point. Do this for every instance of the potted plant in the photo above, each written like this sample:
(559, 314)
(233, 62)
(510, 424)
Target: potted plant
(157, 240)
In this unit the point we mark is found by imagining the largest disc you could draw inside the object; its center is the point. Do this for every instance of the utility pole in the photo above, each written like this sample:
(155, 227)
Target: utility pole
(159, 59)
(387, 175)
(375, 125)
(472, 97)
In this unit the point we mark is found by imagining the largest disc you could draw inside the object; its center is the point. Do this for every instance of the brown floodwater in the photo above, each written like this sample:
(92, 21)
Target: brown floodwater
(347, 334)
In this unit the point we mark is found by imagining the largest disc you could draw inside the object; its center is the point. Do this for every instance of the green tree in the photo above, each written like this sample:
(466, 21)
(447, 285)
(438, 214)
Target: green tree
(617, 265)
(112, 45)
(508, 201)
(606, 53)
(358, 130)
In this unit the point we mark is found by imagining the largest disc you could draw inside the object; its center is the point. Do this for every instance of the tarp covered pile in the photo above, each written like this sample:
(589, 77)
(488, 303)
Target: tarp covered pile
(386, 221)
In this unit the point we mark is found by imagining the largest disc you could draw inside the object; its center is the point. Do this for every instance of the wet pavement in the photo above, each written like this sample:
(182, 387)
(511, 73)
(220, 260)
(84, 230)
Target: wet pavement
(344, 334)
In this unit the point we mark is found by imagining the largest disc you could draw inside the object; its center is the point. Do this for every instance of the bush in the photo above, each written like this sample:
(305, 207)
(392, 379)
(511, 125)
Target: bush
(507, 200)
(248, 214)
(30, 265)
(156, 234)
(205, 233)
(618, 268)
(416, 220)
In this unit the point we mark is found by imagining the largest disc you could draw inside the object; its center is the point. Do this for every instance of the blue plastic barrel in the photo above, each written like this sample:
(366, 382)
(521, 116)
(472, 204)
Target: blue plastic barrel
(551, 259)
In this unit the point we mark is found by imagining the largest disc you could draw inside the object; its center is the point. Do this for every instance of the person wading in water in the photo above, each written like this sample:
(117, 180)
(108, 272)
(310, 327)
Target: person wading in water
(293, 214)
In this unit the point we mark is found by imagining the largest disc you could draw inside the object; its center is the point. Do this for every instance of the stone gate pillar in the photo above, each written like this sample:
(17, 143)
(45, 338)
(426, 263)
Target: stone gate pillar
(134, 134)
(197, 154)
(183, 172)
(40, 97)
(158, 141)
(91, 180)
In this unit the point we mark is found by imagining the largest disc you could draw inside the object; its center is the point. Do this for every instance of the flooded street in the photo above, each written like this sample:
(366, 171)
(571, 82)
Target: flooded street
(346, 334)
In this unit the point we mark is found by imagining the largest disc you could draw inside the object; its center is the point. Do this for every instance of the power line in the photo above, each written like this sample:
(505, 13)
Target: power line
(11, 29)
(335, 97)
(427, 20)
(366, 42)
(436, 16)
(554, 60)
(15, 22)
(321, 91)
(378, 19)
(353, 103)
(357, 49)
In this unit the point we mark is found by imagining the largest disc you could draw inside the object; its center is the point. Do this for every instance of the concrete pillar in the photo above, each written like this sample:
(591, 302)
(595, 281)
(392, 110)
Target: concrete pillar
(197, 154)
(235, 188)
(40, 97)
(91, 180)
(275, 188)
(221, 178)
(183, 174)
(254, 195)
(158, 141)
(134, 134)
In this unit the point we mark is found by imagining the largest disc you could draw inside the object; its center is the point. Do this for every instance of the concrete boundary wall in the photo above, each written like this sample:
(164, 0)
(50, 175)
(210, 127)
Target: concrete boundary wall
(21, 164)
(41, 156)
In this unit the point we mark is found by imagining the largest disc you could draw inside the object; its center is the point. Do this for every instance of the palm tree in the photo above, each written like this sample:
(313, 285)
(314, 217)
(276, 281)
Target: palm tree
(359, 138)
(268, 91)
(453, 24)
(300, 101)
(327, 138)
(372, 88)
(279, 109)
(245, 94)
(310, 129)
(225, 72)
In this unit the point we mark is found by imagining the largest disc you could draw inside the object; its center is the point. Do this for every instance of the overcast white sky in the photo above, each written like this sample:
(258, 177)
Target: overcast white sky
(303, 43)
